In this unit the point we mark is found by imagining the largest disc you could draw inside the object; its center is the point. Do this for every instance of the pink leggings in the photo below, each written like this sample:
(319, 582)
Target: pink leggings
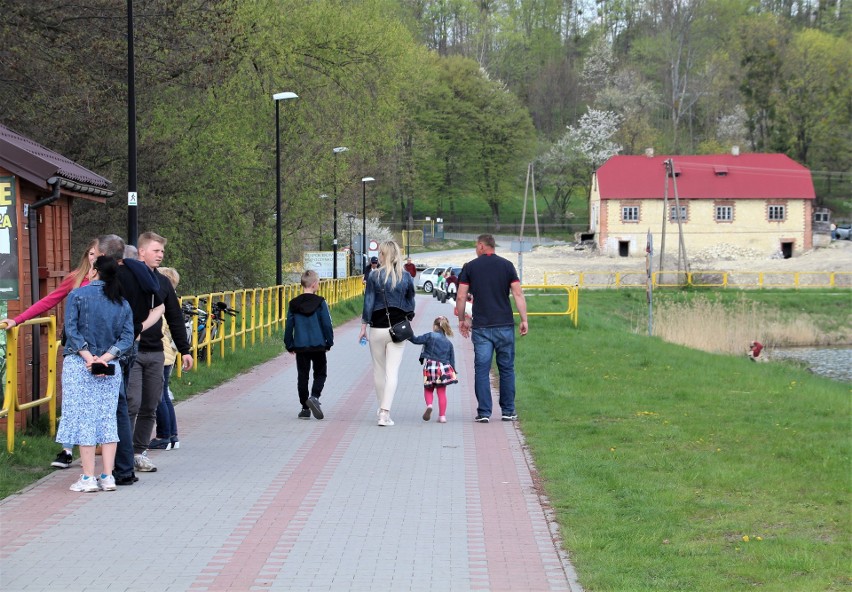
(442, 397)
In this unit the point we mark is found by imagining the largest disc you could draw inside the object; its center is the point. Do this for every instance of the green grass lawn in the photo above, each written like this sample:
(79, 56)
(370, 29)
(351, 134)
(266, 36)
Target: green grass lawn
(672, 469)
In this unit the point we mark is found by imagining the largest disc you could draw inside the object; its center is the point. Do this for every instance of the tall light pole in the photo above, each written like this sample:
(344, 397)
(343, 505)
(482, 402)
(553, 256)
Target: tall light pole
(364, 181)
(350, 217)
(336, 151)
(278, 97)
(323, 196)
(132, 199)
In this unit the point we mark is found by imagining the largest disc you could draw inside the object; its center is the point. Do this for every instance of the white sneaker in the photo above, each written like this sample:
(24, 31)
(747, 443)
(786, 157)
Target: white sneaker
(85, 484)
(384, 419)
(106, 483)
(143, 464)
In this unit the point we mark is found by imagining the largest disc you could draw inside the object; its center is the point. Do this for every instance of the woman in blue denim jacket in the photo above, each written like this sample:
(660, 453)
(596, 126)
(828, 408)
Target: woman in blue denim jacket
(439, 359)
(388, 299)
(99, 329)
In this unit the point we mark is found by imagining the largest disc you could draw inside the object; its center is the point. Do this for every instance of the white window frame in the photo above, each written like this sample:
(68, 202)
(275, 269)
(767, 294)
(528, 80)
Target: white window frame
(628, 217)
(684, 213)
(776, 212)
(728, 210)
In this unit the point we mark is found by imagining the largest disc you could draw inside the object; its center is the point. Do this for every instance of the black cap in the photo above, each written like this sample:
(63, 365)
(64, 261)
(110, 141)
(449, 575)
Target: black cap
(374, 259)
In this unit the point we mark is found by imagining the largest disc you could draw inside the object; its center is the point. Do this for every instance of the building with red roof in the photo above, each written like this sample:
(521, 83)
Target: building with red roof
(759, 201)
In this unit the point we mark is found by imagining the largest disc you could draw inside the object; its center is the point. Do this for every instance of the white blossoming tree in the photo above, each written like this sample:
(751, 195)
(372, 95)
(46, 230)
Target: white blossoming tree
(568, 166)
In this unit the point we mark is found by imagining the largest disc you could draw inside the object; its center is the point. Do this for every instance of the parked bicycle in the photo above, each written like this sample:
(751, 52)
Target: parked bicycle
(205, 326)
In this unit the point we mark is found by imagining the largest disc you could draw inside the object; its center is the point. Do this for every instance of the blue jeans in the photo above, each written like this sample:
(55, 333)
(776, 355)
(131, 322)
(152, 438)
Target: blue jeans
(166, 420)
(487, 342)
(124, 449)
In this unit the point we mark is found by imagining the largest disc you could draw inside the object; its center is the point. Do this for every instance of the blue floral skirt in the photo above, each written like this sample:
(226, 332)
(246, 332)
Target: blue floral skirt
(436, 373)
(89, 404)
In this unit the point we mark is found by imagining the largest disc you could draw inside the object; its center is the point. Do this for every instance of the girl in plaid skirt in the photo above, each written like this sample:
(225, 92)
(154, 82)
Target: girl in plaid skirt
(438, 359)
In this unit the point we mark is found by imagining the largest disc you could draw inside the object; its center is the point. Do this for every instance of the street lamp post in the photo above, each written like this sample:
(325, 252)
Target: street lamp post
(335, 151)
(350, 217)
(323, 196)
(278, 97)
(132, 195)
(364, 181)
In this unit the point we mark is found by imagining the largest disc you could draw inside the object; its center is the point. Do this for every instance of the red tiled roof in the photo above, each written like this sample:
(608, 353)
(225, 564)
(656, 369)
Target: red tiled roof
(37, 164)
(718, 176)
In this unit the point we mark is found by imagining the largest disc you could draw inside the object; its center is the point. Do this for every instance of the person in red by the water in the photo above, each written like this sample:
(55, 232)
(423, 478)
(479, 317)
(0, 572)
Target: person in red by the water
(754, 349)
(410, 267)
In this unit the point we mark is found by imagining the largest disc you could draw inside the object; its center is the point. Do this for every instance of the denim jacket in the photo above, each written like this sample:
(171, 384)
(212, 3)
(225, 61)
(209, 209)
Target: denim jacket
(437, 347)
(400, 297)
(94, 323)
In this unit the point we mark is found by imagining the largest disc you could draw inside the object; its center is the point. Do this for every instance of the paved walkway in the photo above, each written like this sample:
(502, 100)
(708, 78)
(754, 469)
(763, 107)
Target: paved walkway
(256, 499)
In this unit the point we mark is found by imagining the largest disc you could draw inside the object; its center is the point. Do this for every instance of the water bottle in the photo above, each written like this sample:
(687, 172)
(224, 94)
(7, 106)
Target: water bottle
(363, 340)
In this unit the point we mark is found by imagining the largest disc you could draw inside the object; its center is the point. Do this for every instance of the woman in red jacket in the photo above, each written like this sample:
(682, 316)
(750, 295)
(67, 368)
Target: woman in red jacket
(75, 279)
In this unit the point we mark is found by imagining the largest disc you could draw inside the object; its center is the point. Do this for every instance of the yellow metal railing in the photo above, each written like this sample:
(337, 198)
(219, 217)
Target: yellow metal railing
(260, 312)
(573, 301)
(12, 403)
(701, 279)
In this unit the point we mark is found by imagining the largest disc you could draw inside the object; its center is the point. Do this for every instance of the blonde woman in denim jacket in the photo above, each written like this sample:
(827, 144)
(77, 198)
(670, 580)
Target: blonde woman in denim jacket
(388, 287)
(99, 329)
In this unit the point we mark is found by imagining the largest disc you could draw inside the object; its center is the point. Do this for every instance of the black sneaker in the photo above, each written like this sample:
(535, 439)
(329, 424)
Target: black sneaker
(129, 480)
(510, 416)
(305, 414)
(63, 460)
(160, 444)
(481, 419)
(314, 404)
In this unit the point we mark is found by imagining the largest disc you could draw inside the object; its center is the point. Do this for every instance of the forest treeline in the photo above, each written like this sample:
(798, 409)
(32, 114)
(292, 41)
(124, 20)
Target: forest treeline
(439, 100)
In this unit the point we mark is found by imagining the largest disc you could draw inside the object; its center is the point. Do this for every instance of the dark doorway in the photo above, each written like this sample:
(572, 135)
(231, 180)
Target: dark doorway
(624, 248)
(787, 249)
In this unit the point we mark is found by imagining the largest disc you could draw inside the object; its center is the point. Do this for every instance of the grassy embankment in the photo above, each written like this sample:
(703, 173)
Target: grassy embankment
(670, 468)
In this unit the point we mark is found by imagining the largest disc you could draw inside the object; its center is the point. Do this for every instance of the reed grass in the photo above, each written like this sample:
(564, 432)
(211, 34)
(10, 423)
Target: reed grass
(727, 325)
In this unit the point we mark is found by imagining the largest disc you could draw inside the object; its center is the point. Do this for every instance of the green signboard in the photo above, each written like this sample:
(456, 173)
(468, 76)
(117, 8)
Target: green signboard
(8, 240)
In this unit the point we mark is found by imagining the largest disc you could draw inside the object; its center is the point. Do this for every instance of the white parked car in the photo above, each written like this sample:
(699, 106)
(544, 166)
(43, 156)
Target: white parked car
(428, 278)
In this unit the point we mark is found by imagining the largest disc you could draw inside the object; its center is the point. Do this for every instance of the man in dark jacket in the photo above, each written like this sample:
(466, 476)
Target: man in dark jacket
(139, 287)
(145, 388)
(308, 334)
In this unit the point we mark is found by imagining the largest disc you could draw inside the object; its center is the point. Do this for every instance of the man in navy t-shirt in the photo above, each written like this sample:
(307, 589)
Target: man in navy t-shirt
(490, 279)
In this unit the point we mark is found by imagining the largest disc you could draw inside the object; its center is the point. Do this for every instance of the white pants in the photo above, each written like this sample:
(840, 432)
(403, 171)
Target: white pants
(387, 358)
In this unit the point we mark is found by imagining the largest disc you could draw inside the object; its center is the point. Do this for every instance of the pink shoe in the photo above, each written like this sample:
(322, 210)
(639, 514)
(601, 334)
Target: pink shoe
(442, 419)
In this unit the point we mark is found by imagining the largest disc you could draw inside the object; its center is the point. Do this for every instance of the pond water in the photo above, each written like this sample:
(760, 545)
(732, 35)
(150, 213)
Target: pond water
(833, 362)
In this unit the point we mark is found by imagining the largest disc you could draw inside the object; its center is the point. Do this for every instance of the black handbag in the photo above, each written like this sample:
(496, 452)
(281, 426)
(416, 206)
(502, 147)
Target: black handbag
(401, 331)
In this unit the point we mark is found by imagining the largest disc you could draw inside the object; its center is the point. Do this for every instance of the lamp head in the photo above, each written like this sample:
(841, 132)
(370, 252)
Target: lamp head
(340, 149)
(367, 179)
(283, 96)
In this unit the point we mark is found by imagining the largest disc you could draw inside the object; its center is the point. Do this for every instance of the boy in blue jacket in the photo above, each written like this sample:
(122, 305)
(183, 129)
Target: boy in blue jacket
(308, 334)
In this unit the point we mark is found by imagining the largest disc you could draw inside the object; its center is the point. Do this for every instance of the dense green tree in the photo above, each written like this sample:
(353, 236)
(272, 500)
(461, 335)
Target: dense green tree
(816, 98)
(432, 127)
(479, 134)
